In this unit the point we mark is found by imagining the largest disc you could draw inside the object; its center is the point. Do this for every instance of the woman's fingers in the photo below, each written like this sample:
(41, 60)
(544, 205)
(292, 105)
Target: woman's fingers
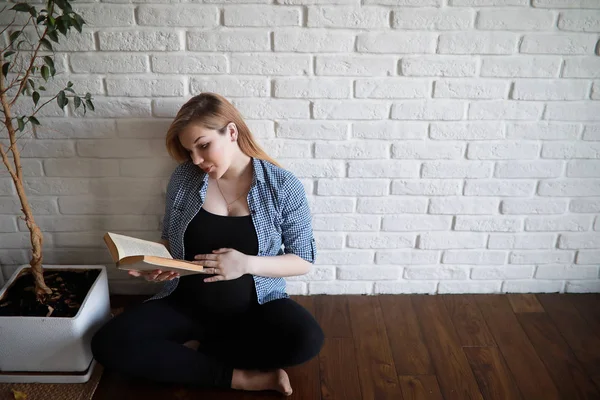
(154, 275)
(167, 276)
(207, 263)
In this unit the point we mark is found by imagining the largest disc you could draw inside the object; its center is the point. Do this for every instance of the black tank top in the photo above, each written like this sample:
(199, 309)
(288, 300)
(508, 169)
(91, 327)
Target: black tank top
(205, 233)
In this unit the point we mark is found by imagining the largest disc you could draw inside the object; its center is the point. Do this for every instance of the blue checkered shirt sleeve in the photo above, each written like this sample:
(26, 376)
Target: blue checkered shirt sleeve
(169, 204)
(296, 224)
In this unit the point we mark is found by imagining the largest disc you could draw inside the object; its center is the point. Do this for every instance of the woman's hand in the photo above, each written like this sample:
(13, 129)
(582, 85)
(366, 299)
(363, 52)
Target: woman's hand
(227, 264)
(155, 275)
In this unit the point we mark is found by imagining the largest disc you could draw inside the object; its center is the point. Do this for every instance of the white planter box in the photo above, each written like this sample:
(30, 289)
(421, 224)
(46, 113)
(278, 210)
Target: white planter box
(53, 345)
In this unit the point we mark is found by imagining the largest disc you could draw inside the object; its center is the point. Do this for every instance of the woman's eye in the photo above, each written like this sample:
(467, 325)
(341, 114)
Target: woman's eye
(203, 146)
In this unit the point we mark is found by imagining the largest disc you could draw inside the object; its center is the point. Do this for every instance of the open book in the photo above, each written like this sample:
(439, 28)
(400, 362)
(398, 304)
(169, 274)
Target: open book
(132, 253)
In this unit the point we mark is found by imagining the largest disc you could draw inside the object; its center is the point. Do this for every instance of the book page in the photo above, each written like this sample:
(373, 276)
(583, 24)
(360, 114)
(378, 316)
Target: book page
(130, 246)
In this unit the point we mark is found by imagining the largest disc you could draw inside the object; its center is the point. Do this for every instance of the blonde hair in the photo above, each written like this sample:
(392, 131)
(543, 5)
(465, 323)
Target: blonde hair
(212, 111)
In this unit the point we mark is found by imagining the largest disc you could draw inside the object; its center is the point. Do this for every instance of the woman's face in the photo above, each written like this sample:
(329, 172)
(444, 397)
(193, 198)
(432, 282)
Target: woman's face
(209, 149)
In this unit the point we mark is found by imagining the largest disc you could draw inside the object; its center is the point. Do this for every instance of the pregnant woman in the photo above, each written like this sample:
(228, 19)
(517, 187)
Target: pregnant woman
(234, 210)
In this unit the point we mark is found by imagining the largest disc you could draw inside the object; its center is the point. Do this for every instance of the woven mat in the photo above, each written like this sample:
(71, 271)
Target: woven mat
(54, 391)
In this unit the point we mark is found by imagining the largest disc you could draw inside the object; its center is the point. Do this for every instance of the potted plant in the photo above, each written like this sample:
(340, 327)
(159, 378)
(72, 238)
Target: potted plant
(48, 314)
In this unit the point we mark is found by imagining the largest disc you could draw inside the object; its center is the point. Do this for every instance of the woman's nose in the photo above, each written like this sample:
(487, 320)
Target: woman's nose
(197, 160)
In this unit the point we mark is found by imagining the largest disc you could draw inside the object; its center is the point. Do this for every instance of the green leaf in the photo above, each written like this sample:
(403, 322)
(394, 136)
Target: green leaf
(51, 21)
(46, 43)
(60, 3)
(69, 84)
(36, 97)
(88, 95)
(62, 26)
(48, 60)
(9, 53)
(45, 73)
(77, 101)
(5, 68)
(79, 19)
(34, 120)
(53, 36)
(89, 104)
(31, 82)
(77, 24)
(62, 99)
(21, 123)
(21, 7)
(42, 88)
(33, 12)
(67, 8)
(13, 36)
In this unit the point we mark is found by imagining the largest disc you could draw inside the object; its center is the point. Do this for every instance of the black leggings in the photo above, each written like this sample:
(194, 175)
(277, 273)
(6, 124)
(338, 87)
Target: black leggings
(146, 341)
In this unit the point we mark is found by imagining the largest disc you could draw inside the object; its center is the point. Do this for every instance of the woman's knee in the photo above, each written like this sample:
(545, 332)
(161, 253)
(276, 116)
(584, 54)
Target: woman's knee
(307, 342)
(109, 344)
(100, 344)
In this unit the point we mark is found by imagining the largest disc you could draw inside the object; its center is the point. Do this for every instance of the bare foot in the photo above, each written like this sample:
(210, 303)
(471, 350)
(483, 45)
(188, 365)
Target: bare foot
(262, 380)
(192, 344)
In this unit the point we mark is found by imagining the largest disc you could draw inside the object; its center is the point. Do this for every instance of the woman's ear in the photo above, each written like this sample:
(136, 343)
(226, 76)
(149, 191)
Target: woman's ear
(233, 132)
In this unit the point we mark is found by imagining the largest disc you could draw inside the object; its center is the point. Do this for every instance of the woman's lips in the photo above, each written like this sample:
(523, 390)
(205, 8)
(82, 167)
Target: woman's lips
(209, 169)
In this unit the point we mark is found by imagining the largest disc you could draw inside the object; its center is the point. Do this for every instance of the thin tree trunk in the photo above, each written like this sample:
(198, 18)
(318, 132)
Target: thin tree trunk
(36, 236)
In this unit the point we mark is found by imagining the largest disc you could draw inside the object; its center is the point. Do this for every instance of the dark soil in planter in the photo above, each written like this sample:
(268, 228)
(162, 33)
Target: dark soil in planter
(69, 289)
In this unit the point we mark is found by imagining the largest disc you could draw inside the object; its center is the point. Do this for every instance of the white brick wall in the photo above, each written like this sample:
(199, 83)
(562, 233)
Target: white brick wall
(446, 145)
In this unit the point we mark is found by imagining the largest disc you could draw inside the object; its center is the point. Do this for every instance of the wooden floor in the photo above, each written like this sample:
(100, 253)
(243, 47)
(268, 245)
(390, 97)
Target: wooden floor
(544, 346)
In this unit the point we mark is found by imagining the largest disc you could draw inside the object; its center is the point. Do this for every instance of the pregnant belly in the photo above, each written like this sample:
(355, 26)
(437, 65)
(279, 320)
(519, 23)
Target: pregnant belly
(222, 297)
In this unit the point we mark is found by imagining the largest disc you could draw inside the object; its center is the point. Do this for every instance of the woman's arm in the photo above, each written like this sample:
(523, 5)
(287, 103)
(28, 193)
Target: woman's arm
(297, 237)
(278, 266)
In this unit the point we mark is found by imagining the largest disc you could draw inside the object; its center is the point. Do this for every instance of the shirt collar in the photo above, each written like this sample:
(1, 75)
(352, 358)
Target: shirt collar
(259, 174)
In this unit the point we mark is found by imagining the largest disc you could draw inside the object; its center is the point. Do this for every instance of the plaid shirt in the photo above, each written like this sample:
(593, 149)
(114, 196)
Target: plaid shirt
(279, 211)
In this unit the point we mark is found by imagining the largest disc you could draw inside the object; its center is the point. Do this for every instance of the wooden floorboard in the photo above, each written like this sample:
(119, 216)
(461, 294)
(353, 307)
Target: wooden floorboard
(332, 314)
(588, 306)
(582, 339)
(566, 371)
(452, 368)
(376, 370)
(339, 375)
(526, 366)
(409, 350)
(420, 387)
(494, 379)
(517, 346)
(524, 303)
(468, 321)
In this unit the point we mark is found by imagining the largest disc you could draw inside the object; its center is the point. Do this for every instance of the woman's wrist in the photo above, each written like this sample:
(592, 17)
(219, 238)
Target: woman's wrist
(251, 264)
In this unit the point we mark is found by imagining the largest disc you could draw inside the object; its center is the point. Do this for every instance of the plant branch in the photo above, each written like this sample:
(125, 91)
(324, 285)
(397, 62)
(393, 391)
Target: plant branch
(38, 109)
(8, 26)
(7, 163)
(28, 71)
(11, 133)
(36, 236)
